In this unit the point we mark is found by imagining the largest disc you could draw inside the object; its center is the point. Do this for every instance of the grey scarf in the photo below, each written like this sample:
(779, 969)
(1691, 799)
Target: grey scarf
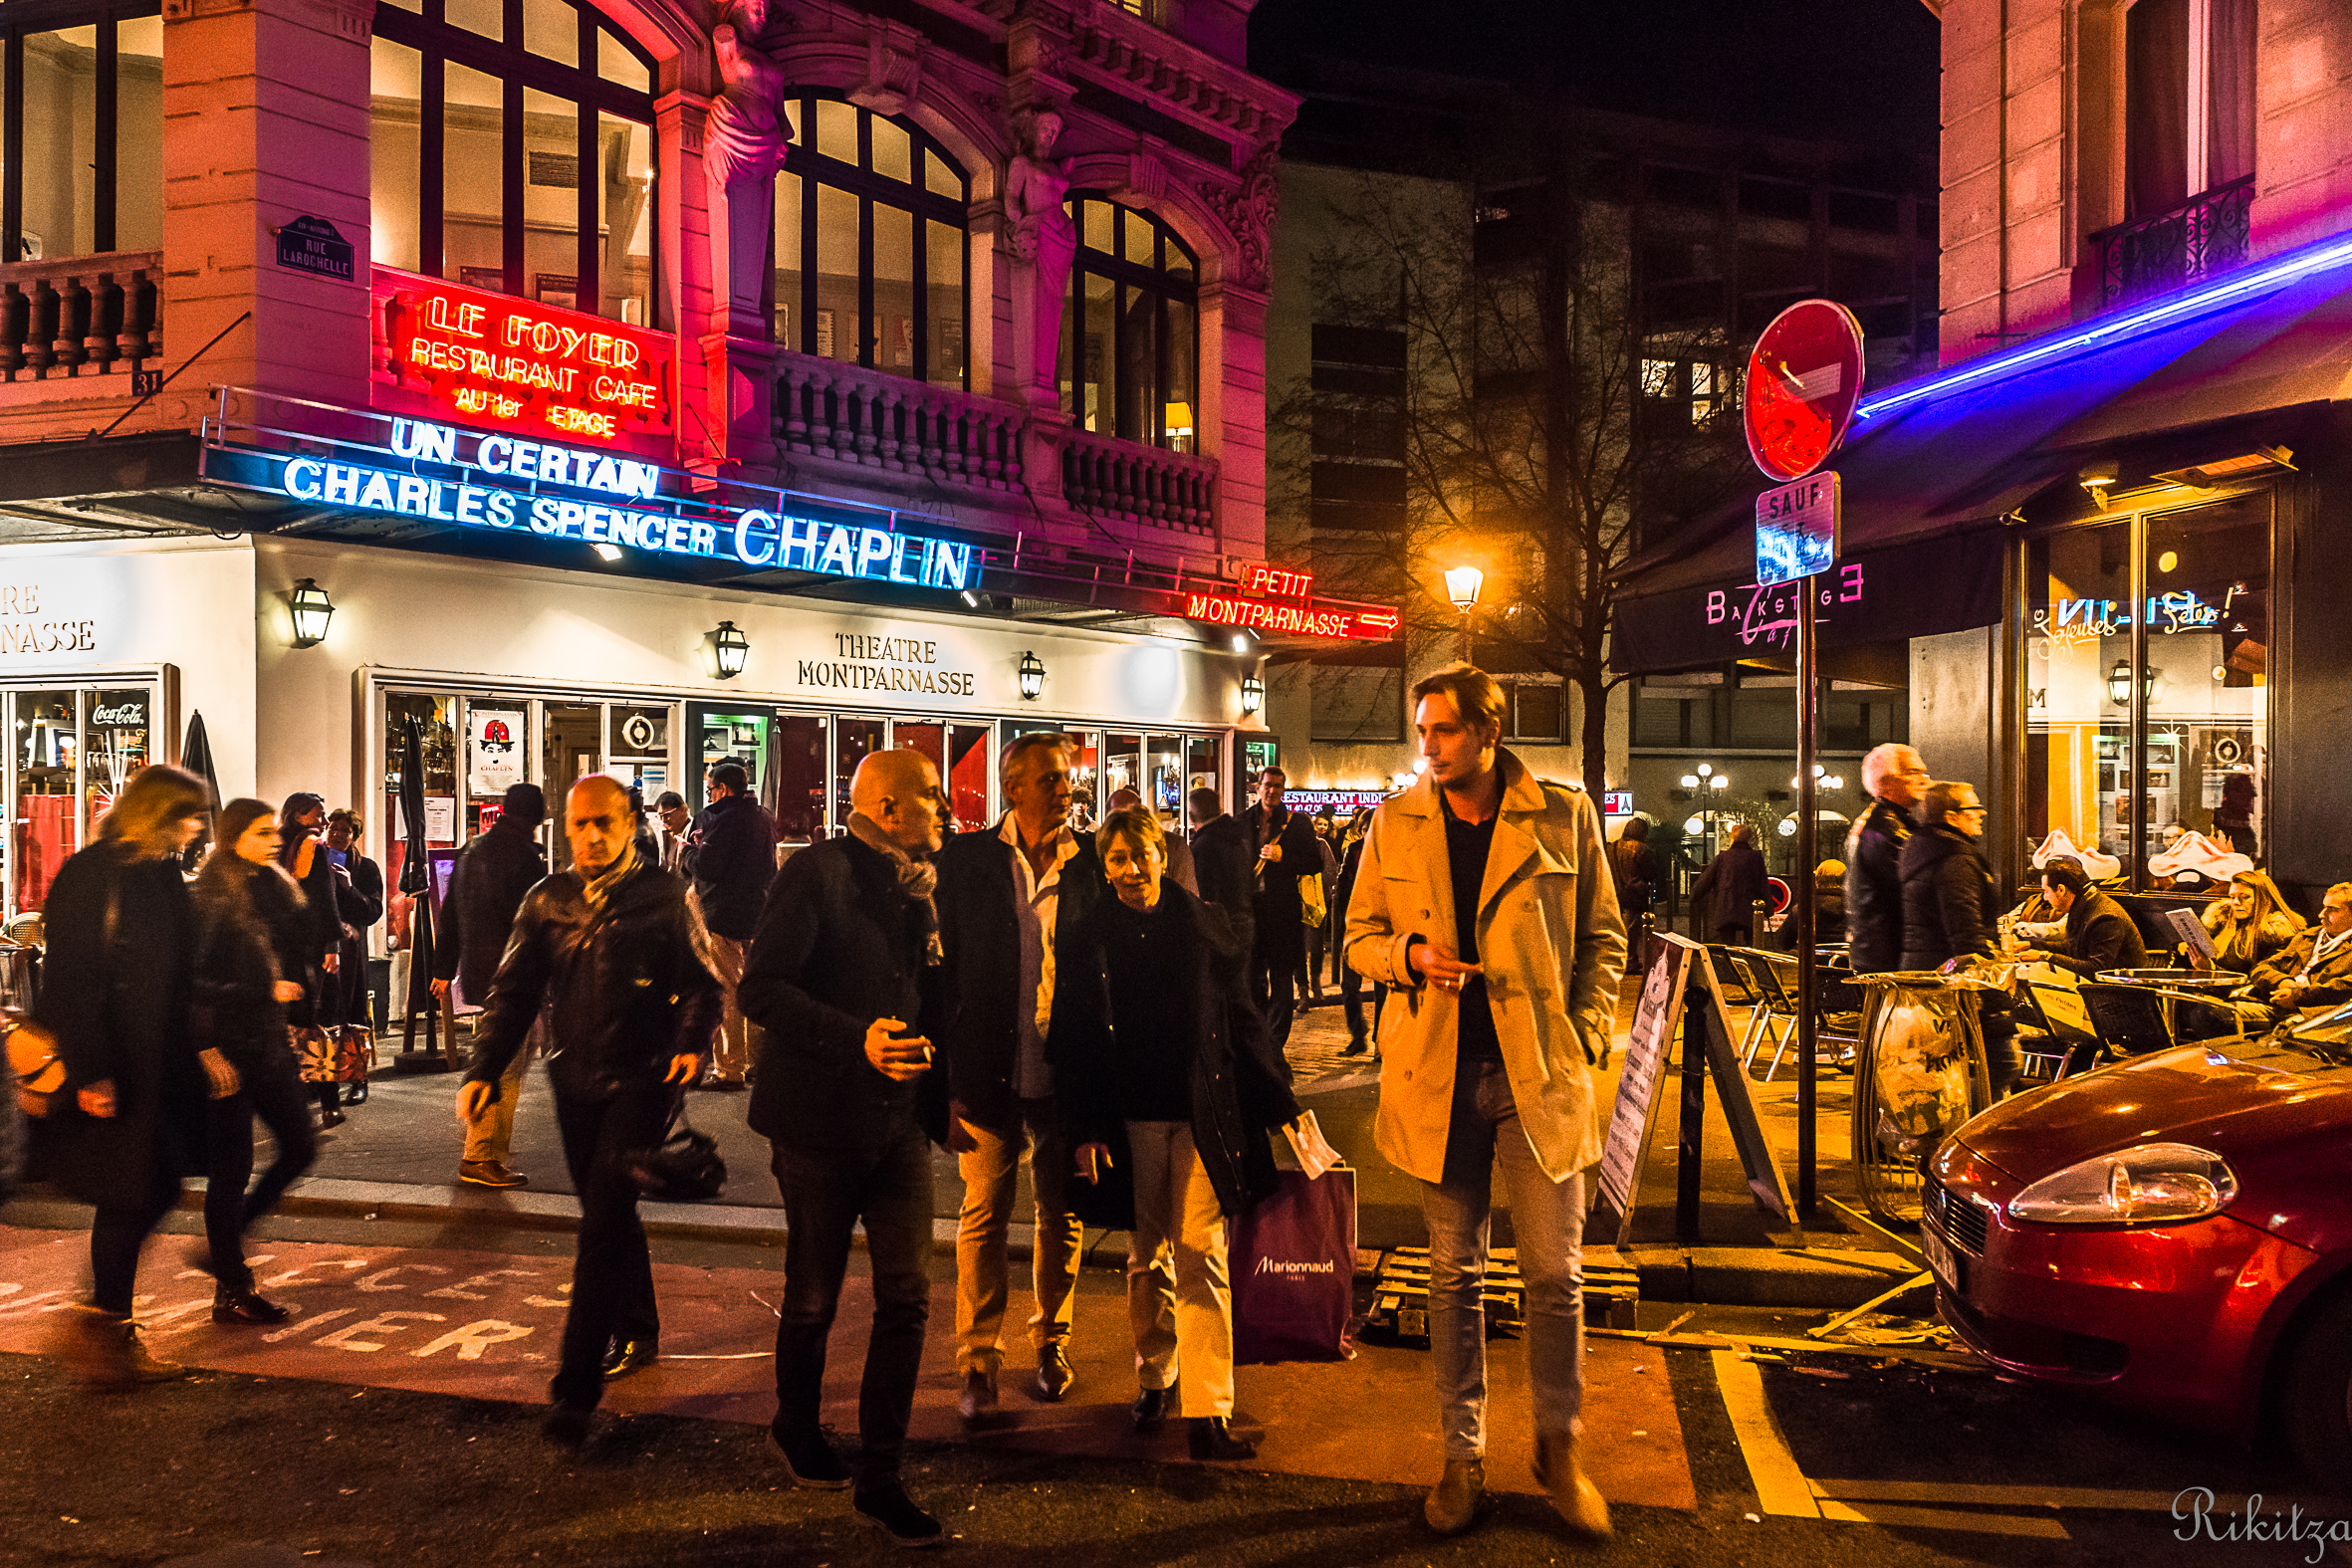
(917, 879)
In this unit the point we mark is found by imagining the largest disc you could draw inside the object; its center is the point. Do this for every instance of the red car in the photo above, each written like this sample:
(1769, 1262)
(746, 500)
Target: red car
(2173, 1233)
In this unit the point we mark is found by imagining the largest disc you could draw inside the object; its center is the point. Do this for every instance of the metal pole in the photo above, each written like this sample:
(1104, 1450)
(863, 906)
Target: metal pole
(1698, 1009)
(1808, 701)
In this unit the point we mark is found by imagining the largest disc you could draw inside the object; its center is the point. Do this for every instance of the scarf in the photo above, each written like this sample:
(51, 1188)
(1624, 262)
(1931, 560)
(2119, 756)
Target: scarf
(600, 886)
(917, 879)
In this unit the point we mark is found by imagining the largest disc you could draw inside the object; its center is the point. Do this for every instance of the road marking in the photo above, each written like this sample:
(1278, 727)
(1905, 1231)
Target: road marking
(1780, 1488)
(2027, 1495)
(1896, 1517)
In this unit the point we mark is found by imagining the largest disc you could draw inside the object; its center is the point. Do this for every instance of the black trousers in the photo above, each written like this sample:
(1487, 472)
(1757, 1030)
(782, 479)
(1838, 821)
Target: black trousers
(116, 1233)
(1351, 1002)
(276, 1093)
(1277, 964)
(826, 1193)
(612, 1271)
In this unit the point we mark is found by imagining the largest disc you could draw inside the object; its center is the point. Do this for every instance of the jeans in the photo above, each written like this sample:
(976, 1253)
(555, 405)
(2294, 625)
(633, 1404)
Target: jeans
(1276, 957)
(826, 1191)
(991, 1173)
(276, 1093)
(1351, 1003)
(1547, 1220)
(613, 1269)
(1184, 1335)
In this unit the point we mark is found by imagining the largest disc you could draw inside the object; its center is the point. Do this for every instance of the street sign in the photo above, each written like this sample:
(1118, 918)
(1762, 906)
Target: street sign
(314, 245)
(1616, 802)
(1804, 377)
(1796, 530)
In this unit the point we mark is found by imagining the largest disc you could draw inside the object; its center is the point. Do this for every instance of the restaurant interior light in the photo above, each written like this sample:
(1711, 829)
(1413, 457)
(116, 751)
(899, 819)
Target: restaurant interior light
(732, 648)
(1032, 676)
(1462, 585)
(1252, 694)
(607, 552)
(2119, 683)
(312, 611)
(970, 598)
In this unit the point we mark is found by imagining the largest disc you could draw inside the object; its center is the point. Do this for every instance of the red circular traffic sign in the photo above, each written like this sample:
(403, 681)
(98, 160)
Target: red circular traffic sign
(1803, 379)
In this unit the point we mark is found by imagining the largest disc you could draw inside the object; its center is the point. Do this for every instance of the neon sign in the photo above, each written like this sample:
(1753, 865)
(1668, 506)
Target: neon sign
(2073, 622)
(518, 363)
(1308, 618)
(1263, 581)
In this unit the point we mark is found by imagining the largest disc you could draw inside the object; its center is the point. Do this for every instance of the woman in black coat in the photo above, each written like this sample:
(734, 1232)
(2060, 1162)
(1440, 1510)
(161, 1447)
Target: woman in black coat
(1732, 884)
(1159, 1055)
(121, 943)
(1950, 910)
(253, 932)
(303, 857)
(358, 894)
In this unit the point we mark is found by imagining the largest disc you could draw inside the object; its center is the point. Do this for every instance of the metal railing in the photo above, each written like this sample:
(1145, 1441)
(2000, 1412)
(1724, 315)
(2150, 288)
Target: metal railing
(869, 417)
(80, 314)
(2208, 234)
(1144, 483)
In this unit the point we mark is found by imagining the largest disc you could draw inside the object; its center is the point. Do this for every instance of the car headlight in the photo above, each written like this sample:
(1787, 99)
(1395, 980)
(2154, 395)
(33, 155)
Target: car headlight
(2153, 1183)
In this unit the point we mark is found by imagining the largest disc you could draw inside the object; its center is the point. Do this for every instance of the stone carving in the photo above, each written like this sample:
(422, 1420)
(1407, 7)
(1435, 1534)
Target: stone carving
(1248, 213)
(1043, 241)
(744, 146)
(893, 68)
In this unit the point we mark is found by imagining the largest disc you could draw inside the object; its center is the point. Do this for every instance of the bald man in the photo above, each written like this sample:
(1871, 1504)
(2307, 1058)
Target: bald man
(611, 947)
(842, 973)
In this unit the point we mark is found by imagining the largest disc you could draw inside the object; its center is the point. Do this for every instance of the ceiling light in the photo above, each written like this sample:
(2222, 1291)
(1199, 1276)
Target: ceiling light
(607, 552)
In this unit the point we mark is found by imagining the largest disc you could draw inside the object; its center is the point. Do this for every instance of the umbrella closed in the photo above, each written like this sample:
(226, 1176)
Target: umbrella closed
(195, 754)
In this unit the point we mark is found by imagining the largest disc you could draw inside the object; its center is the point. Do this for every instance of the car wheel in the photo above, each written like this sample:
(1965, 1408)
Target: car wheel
(2316, 1400)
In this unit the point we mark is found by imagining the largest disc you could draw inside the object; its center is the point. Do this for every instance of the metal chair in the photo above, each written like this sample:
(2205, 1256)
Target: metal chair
(2043, 1053)
(1774, 1015)
(1838, 1007)
(2130, 1020)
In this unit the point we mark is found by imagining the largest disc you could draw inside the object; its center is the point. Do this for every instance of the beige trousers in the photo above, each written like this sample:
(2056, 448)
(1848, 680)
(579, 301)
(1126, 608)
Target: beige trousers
(738, 1036)
(991, 1174)
(1183, 1334)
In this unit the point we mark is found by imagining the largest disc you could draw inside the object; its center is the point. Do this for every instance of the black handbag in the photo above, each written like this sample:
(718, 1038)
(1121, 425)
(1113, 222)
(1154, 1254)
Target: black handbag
(683, 1168)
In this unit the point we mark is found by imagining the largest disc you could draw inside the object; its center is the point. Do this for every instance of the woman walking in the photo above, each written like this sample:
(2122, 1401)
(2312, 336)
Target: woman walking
(252, 930)
(299, 854)
(1158, 1048)
(121, 942)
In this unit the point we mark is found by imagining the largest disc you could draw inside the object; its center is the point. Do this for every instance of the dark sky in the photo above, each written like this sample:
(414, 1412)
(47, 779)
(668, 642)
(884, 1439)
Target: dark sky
(1853, 70)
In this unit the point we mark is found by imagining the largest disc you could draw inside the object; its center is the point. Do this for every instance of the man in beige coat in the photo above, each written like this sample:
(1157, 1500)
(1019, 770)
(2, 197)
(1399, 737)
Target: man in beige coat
(1483, 900)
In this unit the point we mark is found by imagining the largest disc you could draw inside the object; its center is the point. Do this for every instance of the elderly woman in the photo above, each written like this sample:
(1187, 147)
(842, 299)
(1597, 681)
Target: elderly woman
(115, 991)
(1161, 1058)
(2251, 925)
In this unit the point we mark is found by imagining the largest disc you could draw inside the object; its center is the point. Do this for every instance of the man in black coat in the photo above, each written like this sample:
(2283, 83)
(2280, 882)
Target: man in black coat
(610, 946)
(1731, 887)
(1005, 898)
(493, 874)
(1222, 862)
(2099, 935)
(1283, 853)
(1893, 776)
(731, 855)
(1950, 910)
(844, 975)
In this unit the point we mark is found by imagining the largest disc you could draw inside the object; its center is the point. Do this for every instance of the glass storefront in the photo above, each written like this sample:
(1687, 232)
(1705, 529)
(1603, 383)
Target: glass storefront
(74, 748)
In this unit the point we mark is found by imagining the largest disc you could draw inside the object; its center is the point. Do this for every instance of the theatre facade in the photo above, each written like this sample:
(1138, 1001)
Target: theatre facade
(630, 386)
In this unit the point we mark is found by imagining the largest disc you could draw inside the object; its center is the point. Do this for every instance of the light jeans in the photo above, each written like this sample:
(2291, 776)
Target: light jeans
(991, 1174)
(1184, 1330)
(1547, 1220)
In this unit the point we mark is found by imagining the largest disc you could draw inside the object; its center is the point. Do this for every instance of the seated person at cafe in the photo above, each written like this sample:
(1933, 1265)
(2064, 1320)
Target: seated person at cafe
(2099, 936)
(2251, 925)
(2315, 971)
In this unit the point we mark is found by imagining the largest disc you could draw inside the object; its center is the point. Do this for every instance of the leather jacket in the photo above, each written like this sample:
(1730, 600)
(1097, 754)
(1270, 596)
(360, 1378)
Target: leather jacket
(1874, 886)
(625, 983)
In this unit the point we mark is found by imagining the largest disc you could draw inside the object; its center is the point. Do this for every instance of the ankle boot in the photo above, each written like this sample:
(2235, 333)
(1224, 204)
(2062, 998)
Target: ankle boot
(239, 1304)
(1209, 1438)
(1453, 1502)
(1572, 1492)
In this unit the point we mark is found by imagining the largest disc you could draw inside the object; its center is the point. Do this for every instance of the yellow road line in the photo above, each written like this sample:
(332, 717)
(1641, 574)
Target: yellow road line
(1780, 1488)
(1896, 1517)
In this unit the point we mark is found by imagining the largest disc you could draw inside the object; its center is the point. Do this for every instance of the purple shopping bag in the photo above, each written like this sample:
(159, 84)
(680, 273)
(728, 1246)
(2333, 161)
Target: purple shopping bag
(1294, 1272)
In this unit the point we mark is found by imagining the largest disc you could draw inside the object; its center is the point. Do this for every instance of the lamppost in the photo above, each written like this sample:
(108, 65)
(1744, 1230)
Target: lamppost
(1462, 585)
(1706, 780)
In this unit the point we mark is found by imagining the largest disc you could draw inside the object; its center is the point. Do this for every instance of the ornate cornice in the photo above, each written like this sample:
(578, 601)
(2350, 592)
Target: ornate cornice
(1129, 55)
(1248, 210)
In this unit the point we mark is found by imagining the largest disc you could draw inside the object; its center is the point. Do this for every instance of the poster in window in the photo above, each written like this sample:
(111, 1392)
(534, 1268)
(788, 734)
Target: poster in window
(483, 278)
(902, 340)
(494, 750)
(824, 333)
(440, 820)
(558, 288)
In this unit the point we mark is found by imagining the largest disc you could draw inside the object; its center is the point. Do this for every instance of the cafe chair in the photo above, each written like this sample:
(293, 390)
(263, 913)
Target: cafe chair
(2046, 1044)
(2129, 1019)
(1774, 1020)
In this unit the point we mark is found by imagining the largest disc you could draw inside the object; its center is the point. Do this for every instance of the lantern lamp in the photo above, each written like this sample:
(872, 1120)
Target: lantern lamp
(1032, 676)
(1462, 585)
(1252, 694)
(732, 648)
(312, 611)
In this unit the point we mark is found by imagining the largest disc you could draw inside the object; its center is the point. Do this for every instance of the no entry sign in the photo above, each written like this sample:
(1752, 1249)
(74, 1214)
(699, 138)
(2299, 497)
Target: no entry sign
(1803, 379)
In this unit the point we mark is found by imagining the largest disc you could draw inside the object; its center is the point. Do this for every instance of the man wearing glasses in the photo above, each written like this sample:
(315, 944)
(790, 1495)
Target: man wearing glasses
(1949, 909)
(1894, 777)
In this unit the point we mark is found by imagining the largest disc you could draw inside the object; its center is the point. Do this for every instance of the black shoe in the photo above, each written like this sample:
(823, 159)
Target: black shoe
(885, 1505)
(1209, 1438)
(1357, 1047)
(243, 1307)
(1151, 1408)
(625, 1356)
(811, 1461)
(566, 1426)
(329, 1119)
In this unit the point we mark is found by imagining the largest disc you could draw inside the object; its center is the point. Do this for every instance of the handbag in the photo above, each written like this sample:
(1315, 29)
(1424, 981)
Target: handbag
(314, 1053)
(1294, 1272)
(683, 1168)
(1311, 909)
(32, 1058)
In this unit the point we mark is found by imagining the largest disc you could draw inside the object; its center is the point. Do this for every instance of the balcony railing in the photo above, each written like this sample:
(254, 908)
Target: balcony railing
(2203, 236)
(877, 420)
(1145, 484)
(81, 316)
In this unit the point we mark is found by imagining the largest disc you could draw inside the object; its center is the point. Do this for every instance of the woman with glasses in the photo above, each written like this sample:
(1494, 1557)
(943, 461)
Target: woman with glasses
(1950, 910)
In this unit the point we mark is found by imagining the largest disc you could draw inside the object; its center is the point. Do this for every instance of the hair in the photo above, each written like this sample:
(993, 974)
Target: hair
(1937, 802)
(523, 804)
(1274, 771)
(667, 799)
(155, 801)
(1830, 870)
(1883, 760)
(1471, 690)
(1123, 797)
(1137, 827)
(1205, 805)
(347, 817)
(2273, 922)
(298, 805)
(1745, 833)
(223, 866)
(2344, 888)
(732, 775)
(2066, 872)
(1011, 758)
(1636, 828)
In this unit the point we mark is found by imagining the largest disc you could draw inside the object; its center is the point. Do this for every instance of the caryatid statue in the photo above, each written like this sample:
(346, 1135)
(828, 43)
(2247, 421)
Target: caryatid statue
(1042, 236)
(744, 144)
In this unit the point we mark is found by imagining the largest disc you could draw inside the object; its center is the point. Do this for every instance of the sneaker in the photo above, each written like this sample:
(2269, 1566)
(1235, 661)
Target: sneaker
(566, 1426)
(885, 1505)
(490, 1173)
(975, 1405)
(1054, 1374)
(810, 1460)
(1151, 1409)
(244, 1306)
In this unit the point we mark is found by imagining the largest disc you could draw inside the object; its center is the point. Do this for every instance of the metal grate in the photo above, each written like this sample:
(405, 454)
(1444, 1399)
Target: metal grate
(1957, 1219)
(2208, 234)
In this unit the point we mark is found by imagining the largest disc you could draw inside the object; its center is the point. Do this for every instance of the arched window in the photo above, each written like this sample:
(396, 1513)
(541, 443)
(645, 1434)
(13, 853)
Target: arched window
(513, 150)
(871, 263)
(81, 129)
(1131, 345)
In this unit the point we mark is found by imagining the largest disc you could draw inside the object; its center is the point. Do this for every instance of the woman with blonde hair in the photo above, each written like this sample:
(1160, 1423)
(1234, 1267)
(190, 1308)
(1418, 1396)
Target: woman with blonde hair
(2251, 925)
(116, 982)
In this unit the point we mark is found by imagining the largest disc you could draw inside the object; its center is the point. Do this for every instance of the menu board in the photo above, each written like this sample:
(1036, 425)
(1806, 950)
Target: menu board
(1649, 1054)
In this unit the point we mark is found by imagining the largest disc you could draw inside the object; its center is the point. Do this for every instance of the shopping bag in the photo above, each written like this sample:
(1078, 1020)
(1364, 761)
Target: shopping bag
(1294, 1272)
(1311, 909)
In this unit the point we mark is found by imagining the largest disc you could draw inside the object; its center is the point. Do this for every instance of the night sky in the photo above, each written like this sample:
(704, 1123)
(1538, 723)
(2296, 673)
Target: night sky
(1852, 69)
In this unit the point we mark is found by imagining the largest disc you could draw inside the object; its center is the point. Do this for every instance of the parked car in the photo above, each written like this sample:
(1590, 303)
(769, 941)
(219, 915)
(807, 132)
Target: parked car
(2173, 1232)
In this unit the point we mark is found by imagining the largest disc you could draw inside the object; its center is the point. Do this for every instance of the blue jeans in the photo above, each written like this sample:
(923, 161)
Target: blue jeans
(1547, 1220)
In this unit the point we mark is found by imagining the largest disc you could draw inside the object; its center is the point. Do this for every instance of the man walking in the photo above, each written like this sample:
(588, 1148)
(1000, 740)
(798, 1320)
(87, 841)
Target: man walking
(1731, 887)
(495, 872)
(1484, 898)
(1282, 851)
(1893, 776)
(731, 855)
(1222, 859)
(1002, 899)
(609, 947)
(842, 971)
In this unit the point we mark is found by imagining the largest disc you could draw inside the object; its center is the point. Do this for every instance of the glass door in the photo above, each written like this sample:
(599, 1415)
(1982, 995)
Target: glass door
(728, 735)
(798, 803)
(854, 740)
(966, 777)
(1166, 793)
(44, 776)
(569, 750)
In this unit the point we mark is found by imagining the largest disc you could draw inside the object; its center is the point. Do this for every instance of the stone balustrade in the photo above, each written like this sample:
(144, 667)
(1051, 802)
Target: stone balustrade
(81, 316)
(851, 415)
(1143, 484)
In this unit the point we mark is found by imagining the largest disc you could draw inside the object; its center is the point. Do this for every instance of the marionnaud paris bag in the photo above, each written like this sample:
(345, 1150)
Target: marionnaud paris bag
(1294, 1265)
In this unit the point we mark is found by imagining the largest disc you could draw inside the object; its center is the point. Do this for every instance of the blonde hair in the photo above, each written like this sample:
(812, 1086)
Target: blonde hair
(1137, 827)
(152, 806)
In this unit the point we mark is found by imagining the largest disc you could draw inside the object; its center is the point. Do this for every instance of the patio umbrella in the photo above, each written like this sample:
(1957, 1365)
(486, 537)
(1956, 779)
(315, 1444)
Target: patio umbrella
(414, 872)
(195, 754)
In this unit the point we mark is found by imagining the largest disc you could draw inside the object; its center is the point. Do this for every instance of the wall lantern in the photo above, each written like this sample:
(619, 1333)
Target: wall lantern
(312, 611)
(1032, 677)
(2119, 683)
(733, 647)
(1252, 694)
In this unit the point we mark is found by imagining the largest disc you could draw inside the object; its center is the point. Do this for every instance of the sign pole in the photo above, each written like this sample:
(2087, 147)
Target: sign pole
(1808, 696)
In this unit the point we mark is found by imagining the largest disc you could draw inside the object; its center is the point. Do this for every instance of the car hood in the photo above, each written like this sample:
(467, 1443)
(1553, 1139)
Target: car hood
(2236, 1104)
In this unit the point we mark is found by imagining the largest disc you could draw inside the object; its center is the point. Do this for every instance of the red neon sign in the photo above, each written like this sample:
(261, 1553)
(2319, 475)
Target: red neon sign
(490, 358)
(1274, 582)
(1307, 619)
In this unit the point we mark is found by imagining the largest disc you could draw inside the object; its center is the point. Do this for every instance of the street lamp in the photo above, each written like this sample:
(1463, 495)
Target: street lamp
(312, 611)
(1462, 585)
(1252, 694)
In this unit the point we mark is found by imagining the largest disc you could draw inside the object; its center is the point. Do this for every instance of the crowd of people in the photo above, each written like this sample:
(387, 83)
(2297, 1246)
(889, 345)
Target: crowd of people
(1109, 1008)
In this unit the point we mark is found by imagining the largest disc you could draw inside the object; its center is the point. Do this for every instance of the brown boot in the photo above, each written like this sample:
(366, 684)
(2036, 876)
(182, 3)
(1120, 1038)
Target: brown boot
(1580, 1501)
(101, 1350)
(1453, 1502)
